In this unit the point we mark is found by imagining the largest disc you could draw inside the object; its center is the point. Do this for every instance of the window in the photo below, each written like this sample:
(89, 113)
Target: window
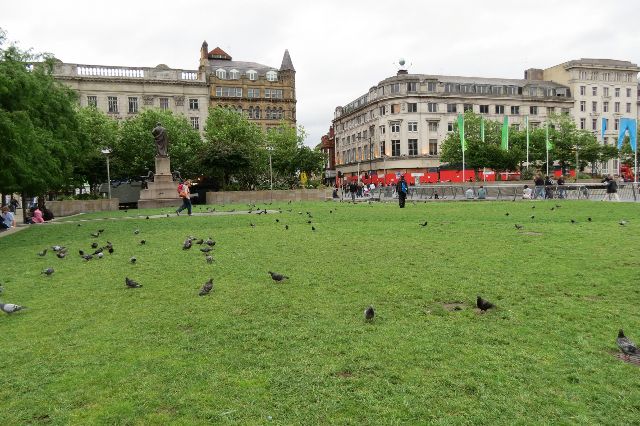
(433, 126)
(195, 122)
(412, 126)
(605, 91)
(164, 103)
(113, 104)
(412, 107)
(449, 127)
(253, 93)
(616, 92)
(452, 107)
(432, 107)
(551, 110)
(253, 75)
(395, 88)
(382, 129)
(583, 123)
(499, 109)
(628, 92)
(583, 90)
(594, 106)
(594, 91)
(431, 86)
(616, 124)
(272, 76)
(395, 109)
(232, 92)
(433, 147)
(92, 101)
(496, 90)
(583, 106)
(193, 104)
(484, 109)
(533, 110)
(133, 105)
(628, 107)
(412, 86)
(220, 73)
(254, 113)
(413, 146)
(451, 88)
(533, 91)
(594, 124)
(467, 107)
(383, 148)
(382, 110)
(234, 74)
(272, 93)
(605, 76)
(395, 147)
(605, 106)
(395, 127)
(582, 75)
(515, 110)
(616, 107)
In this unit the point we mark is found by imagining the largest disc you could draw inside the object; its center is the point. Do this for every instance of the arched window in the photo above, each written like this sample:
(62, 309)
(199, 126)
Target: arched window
(221, 73)
(234, 74)
(253, 75)
(256, 112)
(280, 114)
(272, 76)
(268, 113)
(239, 109)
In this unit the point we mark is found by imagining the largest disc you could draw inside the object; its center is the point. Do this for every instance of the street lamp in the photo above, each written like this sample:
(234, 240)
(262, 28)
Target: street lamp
(106, 152)
(269, 149)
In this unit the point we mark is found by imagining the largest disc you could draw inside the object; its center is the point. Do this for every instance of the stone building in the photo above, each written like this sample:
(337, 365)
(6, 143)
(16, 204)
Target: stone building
(327, 146)
(265, 94)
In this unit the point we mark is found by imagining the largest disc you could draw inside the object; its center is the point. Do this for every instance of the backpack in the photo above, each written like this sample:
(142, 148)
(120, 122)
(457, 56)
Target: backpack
(180, 188)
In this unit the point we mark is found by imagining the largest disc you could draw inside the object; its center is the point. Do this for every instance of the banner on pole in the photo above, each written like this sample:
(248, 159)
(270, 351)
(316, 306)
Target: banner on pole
(630, 125)
(482, 129)
(461, 130)
(505, 134)
(604, 126)
(549, 145)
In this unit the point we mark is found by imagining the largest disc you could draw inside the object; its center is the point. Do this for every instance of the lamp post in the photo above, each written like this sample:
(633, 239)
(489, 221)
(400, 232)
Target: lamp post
(106, 152)
(269, 149)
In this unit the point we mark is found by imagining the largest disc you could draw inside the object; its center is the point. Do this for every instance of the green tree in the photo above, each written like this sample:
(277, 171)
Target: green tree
(99, 131)
(135, 150)
(234, 149)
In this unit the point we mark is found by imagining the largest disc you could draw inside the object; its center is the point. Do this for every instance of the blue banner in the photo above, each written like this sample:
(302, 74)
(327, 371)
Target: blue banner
(604, 127)
(630, 125)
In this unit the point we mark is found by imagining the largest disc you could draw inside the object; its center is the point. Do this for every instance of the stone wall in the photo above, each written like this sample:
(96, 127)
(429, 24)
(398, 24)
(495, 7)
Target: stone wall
(70, 207)
(231, 197)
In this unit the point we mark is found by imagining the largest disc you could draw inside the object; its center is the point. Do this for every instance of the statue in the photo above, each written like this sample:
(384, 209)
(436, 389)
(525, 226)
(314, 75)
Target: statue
(162, 140)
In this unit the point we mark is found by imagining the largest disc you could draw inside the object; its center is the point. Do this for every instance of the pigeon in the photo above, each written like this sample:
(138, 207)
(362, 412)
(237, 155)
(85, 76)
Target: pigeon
(81, 252)
(87, 257)
(131, 283)
(206, 288)
(187, 244)
(95, 235)
(210, 242)
(626, 346)
(147, 217)
(506, 214)
(533, 217)
(206, 249)
(573, 221)
(143, 242)
(48, 272)
(61, 254)
(313, 228)
(137, 231)
(484, 305)
(252, 225)
(330, 211)
(277, 220)
(309, 222)
(623, 222)
(110, 250)
(133, 260)
(589, 219)
(518, 227)
(42, 253)
(369, 313)
(100, 231)
(100, 255)
(424, 224)
(57, 248)
(533, 207)
(553, 208)
(94, 245)
(558, 206)
(10, 308)
(277, 277)
(209, 259)
(200, 241)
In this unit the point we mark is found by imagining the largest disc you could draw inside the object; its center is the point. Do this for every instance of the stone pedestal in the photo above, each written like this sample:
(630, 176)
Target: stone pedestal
(163, 191)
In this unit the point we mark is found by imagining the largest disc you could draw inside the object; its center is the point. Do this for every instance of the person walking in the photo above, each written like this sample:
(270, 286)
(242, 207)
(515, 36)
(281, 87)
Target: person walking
(612, 188)
(539, 183)
(353, 189)
(402, 189)
(185, 194)
(562, 193)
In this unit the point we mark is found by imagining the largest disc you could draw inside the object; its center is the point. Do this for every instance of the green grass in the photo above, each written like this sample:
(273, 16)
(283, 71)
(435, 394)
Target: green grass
(89, 351)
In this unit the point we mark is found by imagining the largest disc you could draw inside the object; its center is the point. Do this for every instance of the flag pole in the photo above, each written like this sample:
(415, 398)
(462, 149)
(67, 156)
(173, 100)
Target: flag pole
(527, 120)
(547, 145)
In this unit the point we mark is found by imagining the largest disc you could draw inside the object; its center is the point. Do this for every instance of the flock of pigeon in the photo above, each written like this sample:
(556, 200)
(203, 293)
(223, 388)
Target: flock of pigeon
(627, 346)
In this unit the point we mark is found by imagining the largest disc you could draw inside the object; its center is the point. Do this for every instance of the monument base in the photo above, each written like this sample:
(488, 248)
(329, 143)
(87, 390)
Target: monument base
(163, 191)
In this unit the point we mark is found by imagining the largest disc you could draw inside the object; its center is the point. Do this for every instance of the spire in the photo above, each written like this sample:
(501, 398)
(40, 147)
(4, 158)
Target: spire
(287, 65)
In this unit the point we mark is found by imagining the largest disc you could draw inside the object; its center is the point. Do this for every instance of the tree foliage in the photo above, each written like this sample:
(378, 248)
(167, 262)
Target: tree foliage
(99, 132)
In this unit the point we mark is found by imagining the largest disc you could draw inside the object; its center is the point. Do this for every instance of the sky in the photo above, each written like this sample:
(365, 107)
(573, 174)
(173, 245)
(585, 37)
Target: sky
(339, 48)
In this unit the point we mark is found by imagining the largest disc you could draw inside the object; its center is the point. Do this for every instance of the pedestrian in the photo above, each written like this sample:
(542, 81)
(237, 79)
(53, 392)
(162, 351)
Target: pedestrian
(185, 194)
(539, 183)
(612, 188)
(8, 220)
(13, 205)
(402, 189)
(548, 187)
(561, 191)
(353, 189)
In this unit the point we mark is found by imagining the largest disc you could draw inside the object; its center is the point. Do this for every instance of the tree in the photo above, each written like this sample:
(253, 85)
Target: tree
(135, 150)
(234, 149)
(99, 131)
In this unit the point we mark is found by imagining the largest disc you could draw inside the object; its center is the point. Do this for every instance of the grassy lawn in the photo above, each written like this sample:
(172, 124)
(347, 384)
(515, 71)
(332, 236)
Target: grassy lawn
(89, 351)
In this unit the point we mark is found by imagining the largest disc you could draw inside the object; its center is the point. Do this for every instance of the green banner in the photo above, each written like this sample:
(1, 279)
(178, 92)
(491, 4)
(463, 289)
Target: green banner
(505, 134)
(482, 129)
(461, 130)
(546, 131)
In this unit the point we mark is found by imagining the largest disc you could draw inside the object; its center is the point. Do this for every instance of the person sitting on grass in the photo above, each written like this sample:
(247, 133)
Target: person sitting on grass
(8, 220)
(36, 216)
(482, 193)
(526, 193)
(469, 194)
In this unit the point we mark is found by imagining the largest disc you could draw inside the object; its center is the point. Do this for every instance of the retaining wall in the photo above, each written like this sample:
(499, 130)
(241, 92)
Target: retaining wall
(69, 207)
(234, 197)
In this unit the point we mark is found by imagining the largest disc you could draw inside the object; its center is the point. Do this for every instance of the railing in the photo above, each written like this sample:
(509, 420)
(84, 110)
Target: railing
(109, 71)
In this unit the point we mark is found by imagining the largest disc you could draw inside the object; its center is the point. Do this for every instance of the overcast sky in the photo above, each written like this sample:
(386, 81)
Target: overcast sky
(339, 48)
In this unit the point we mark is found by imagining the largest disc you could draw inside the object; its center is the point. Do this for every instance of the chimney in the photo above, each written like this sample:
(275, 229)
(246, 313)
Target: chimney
(533, 74)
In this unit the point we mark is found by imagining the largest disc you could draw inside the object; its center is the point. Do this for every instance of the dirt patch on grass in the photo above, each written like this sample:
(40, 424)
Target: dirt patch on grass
(344, 374)
(453, 306)
(633, 359)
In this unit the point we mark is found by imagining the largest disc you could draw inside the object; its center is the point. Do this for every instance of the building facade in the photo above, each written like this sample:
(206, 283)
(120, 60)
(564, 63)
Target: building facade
(400, 123)
(327, 146)
(265, 94)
